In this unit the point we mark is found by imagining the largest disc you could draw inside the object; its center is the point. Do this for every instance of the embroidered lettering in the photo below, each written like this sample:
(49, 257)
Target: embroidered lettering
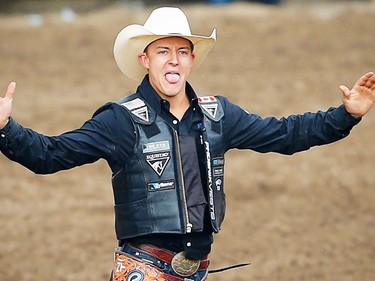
(156, 146)
(209, 176)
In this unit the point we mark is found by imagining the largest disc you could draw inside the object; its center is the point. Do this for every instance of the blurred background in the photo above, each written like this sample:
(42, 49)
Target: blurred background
(80, 5)
(304, 217)
(45, 5)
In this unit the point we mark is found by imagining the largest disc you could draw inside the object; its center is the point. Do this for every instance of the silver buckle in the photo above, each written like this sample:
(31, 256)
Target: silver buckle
(184, 266)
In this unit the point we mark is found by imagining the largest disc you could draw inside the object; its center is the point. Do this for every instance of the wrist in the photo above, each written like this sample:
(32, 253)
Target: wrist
(3, 123)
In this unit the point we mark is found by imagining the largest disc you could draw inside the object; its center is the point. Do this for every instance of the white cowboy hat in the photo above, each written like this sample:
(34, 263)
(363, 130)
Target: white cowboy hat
(162, 22)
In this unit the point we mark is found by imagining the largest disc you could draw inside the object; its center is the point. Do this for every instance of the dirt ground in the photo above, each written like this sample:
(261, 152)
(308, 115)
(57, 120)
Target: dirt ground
(309, 216)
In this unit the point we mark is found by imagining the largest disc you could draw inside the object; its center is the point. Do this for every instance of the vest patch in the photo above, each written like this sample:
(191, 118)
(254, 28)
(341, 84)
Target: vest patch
(158, 161)
(162, 185)
(156, 146)
(138, 108)
(136, 103)
(141, 113)
(219, 171)
(210, 108)
(219, 183)
(206, 99)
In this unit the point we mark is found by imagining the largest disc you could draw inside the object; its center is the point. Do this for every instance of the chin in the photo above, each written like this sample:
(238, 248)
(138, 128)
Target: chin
(171, 94)
(173, 91)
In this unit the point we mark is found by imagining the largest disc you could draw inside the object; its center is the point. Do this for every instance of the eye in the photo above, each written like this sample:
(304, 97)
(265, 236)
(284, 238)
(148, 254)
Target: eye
(162, 52)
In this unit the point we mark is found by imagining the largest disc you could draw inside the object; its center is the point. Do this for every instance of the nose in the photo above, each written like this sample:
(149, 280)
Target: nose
(174, 58)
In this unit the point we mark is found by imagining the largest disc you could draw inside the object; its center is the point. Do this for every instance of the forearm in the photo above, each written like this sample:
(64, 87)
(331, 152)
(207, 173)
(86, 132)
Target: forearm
(42, 154)
(289, 135)
(314, 129)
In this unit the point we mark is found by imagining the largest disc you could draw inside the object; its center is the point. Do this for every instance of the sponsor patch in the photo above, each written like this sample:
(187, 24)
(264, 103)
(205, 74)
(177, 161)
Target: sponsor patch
(138, 108)
(211, 109)
(218, 183)
(218, 162)
(218, 171)
(141, 113)
(156, 146)
(158, 161)
(161, 185)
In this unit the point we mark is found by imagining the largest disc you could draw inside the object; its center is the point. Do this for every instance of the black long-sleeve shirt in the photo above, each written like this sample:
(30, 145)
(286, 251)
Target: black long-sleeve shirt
(110, 135)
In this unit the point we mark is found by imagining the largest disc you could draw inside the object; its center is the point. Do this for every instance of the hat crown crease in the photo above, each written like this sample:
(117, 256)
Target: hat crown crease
(168, 21)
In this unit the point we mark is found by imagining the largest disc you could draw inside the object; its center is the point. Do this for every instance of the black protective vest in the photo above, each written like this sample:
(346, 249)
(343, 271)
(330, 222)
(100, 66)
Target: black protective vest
(150, 196)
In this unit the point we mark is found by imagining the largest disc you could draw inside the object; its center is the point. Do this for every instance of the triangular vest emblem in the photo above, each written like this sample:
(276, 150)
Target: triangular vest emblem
(158, 162)
(211, 109)
(141, 113)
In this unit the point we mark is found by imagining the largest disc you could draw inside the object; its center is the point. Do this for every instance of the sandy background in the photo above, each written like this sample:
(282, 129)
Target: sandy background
(304, 217)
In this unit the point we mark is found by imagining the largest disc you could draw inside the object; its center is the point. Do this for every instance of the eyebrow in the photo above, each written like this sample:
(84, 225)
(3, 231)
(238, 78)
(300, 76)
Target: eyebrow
(191, 45)
(166, 47)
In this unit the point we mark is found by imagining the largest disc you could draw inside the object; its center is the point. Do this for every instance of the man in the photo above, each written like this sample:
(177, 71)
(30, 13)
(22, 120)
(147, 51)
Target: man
(165, 147)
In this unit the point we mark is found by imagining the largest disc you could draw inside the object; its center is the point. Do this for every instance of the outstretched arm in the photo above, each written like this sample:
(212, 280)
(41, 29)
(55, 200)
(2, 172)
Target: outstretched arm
(361, 97)
(6, 104)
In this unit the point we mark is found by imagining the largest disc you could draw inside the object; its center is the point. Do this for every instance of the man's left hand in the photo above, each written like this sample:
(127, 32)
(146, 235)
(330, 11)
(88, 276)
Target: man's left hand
(361, 97)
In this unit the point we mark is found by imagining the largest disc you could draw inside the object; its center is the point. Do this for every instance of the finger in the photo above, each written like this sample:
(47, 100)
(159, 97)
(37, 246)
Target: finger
(371, 82)
(364, 79)
(11, 90)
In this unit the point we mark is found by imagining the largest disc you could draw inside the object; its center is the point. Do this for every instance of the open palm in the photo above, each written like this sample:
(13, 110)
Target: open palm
(361, 97)
(6, 104)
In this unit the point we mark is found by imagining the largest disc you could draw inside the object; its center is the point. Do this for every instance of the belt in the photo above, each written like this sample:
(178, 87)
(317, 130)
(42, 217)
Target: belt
(180, 264)
(166, 256)
(127, 267)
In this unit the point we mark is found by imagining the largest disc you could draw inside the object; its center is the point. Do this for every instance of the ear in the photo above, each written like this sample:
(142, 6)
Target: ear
(143, 59)
(193, 56)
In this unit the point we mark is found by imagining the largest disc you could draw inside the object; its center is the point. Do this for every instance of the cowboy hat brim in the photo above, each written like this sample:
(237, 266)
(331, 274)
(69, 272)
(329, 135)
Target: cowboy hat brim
(134, 38)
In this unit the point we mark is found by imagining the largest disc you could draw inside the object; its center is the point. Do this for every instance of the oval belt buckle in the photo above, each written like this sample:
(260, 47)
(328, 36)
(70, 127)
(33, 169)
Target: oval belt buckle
(184, 266)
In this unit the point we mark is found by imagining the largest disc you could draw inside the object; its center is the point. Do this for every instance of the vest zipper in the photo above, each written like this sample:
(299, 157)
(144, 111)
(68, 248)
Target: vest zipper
(189, 226)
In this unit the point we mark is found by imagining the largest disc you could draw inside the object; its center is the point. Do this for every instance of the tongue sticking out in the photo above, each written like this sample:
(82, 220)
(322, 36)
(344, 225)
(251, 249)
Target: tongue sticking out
(172, 77)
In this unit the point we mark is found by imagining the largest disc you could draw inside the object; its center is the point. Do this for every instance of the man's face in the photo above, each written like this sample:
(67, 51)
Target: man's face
(169, 61)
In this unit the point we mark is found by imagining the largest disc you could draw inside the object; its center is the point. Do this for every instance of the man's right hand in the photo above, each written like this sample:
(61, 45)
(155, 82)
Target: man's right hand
(6, 104)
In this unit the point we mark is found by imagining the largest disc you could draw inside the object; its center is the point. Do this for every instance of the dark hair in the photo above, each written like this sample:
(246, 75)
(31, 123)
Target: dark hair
(191, 43)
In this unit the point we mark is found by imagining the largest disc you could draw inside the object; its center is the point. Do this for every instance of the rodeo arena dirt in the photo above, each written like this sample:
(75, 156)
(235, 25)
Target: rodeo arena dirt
(309, 216)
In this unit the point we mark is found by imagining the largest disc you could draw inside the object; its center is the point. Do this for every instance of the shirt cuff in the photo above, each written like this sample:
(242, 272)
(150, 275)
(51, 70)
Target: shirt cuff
(345, 118)
(7, 133)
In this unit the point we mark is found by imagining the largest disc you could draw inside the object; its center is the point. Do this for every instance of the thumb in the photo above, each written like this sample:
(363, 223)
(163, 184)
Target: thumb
(345, 90)
(11, 90)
